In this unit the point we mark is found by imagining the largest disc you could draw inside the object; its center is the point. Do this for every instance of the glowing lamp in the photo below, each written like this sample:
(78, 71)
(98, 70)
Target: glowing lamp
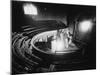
(30, 9)
(85, 26)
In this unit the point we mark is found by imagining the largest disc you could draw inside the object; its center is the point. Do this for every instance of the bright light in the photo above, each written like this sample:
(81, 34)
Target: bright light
(85, 26)
(57, 45)
(30, 9)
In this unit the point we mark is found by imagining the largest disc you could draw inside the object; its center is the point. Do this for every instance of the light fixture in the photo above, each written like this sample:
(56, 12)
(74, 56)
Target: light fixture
(30, 9)
(85, 25)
